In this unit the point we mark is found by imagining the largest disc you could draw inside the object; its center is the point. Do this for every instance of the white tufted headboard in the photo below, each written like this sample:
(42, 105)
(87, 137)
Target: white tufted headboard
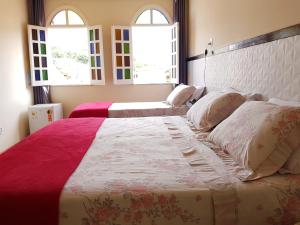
(272, 69)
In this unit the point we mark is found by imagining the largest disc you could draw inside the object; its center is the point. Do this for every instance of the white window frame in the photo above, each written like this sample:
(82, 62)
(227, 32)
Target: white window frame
(67, 25)
(174, 79)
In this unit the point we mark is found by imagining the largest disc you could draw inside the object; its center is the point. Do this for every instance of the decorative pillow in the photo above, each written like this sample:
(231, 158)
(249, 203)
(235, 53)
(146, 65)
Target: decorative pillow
(213, 108)
(180, 95)
(198, 93)
(260, 137)
(293, 163)
(249, 96)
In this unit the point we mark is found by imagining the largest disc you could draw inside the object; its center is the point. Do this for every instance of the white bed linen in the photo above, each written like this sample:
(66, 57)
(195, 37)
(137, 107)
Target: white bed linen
(138, 171)
(145, 109)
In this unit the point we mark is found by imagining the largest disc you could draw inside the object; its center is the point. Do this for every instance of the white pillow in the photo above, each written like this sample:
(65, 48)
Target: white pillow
(293, 163)
(260, 137)
(180, 95)
(249, 96)
(197, 94)
(214, 107)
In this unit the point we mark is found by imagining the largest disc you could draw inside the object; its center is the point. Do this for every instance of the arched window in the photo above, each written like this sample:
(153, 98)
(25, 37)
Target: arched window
(152, 17)
(152, 47)
(76, 50)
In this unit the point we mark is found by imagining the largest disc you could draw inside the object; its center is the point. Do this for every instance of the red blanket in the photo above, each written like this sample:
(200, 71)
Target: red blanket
(34, 171)
(96, 109)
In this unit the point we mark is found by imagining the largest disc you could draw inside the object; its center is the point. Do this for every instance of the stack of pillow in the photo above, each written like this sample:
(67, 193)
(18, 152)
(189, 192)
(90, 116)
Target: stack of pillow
(262, 137)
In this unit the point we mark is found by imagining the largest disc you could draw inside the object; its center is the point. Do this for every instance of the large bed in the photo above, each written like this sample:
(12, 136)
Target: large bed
(154, 170)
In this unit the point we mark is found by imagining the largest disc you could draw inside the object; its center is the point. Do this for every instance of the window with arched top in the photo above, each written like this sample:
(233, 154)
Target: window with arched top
(68, 53)
(151, 17)
(66, 17)
(151, 50)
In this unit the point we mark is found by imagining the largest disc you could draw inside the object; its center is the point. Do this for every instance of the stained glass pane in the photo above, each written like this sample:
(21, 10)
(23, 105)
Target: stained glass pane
(99, 74)
(118, 35)
(37, 75)
(118, 48)
(127, 61)
(126, 35)
(42, 35)
(43, 49)
(92, 48)
(97, 48)
(45, 75)
(127, 74)
(44, 62)
(36, 62)
(119, 61)
(119, 74)
(35, 47)
(34, 35)
(126, 48)
(93, 74)
(93, 61)
(98, 59)
(97, 34)
(91, 35)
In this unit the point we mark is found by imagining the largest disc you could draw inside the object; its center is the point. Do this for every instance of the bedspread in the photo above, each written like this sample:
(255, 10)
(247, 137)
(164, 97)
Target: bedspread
(155, 171)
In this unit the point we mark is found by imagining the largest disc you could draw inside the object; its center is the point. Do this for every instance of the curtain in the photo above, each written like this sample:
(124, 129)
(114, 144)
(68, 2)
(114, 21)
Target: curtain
(180, 13)
(36, 16)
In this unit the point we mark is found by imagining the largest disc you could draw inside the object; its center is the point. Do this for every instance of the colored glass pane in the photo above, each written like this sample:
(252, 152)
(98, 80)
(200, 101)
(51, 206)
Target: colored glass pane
(119, 61)
(127, 60)
(126, 48)
(118, 48)
(118, 35)
(98, 59)
(35, 47)
(36, 62)
(45, 75)
(99, 74)
(37, 75)
(42, 35)
(43, 49)
(93, 74)
(97, 48)
(127, 74)
(34, 35)
(92, 49)
(126, 35)
(119, 74)
(91, 35)
(44, 62)
(97, 34)
(93, 61)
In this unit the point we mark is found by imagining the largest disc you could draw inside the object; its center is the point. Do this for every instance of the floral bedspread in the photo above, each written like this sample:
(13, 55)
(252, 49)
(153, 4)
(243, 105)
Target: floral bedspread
(145, 109)
(155, 171)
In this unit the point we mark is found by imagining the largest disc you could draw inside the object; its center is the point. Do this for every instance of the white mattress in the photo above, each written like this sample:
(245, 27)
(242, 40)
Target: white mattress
(145, 109)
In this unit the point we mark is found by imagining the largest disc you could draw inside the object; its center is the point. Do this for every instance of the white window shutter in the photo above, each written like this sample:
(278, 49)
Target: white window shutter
(175, 53)
(96, 55)
(122, 54)
(38, 54)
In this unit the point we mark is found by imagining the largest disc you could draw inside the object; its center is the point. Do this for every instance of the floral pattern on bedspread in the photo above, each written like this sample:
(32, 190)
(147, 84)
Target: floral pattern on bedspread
(160, 171)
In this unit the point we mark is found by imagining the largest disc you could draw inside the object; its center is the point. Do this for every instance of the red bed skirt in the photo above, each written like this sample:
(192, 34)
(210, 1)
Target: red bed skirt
(34, 171)
(95, 109)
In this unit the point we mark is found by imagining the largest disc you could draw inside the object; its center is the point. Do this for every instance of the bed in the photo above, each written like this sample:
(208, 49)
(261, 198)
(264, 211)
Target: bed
(128, 109)
(176, 104)
(137, 171)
